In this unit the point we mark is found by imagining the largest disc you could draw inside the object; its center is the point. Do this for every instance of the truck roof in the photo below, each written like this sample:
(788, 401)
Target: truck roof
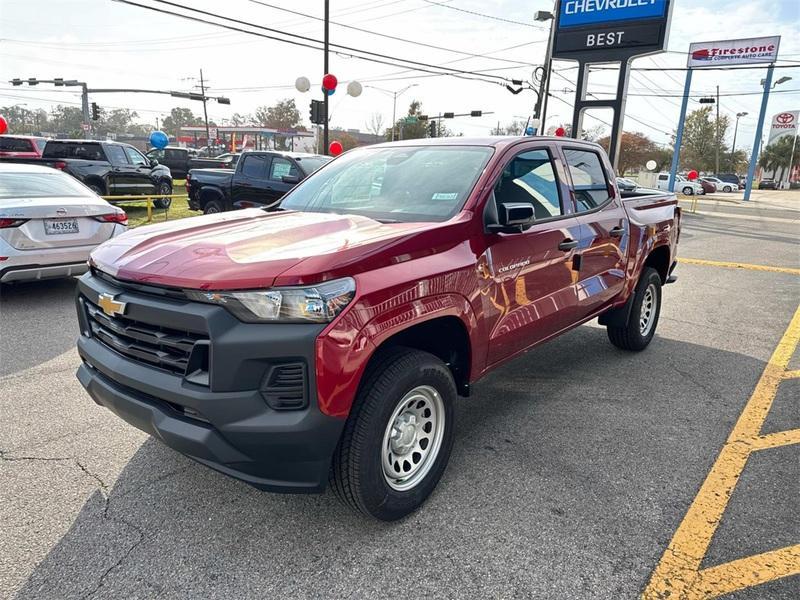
(497, 141)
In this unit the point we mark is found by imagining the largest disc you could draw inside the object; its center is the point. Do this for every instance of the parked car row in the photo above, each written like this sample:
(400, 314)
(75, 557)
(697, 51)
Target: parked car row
(181, 160)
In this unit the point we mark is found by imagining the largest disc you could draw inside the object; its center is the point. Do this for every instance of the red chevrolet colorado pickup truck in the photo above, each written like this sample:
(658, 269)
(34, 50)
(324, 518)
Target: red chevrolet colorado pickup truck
(329, 339)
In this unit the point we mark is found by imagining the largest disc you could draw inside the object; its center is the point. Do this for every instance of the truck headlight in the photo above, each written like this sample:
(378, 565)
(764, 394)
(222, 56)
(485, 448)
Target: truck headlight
(318, 303)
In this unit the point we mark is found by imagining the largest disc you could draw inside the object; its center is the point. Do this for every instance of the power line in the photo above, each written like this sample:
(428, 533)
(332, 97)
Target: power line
(485, 16)
(419, 66)
(391, 37)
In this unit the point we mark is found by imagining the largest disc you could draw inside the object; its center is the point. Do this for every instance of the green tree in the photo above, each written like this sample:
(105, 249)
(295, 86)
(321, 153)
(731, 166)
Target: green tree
(516, 127)
(283, 115)
(410, 131)
(66, 120)
(777, 156)
(179, 117)
(635, 150)
(24, 121)
(700, 140)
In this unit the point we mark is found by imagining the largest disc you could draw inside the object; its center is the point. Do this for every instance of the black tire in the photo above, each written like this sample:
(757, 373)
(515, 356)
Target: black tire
(727, 188)
(358, 475)
(212, 207)
(164, 188)
(632, 336)
(687, 191)
(97, 188)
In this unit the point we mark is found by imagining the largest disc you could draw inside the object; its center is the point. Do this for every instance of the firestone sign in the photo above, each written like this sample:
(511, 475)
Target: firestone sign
(734, 52)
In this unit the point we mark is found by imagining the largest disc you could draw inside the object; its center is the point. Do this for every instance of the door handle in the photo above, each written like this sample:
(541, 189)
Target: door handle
(568, 244)
(617, 232)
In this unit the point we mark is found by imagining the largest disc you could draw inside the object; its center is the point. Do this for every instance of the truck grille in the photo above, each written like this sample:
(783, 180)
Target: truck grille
(154, 345)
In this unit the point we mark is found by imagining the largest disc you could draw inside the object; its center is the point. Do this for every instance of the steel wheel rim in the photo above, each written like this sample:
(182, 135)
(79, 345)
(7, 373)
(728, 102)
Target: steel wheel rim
(413, 438)
(647, 314)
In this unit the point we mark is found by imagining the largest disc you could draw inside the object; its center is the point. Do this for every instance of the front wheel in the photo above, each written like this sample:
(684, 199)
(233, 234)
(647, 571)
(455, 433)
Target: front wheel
(164, 189)
(641, 326)
(398, 438)
(687, 191)
(727, 188)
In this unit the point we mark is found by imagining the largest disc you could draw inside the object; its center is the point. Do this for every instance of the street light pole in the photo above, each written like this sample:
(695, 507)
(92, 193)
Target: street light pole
(205, 114)
(540, 110)
(733, 146)
(716, 160)
(394, 94)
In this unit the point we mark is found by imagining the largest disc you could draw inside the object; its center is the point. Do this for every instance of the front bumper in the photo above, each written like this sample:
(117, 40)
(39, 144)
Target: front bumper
(227, 423)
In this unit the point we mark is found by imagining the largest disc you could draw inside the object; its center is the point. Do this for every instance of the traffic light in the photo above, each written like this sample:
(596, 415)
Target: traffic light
(95, 111)
(707, 101)
(317, 112)
(432, 128)
(448, 115)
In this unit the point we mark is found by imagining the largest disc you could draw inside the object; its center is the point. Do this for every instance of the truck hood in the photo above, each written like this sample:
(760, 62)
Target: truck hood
(248, 249)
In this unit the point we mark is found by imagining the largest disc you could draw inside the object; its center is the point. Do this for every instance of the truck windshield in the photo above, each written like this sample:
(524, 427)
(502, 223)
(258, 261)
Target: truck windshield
(401, 184)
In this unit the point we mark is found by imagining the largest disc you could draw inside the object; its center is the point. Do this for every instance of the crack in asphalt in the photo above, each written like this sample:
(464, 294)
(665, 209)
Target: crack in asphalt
(103, 488)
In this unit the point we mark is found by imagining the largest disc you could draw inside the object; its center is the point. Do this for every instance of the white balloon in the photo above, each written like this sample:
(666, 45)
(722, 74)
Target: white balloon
(651, 165)
(302, 84)
(354, 89)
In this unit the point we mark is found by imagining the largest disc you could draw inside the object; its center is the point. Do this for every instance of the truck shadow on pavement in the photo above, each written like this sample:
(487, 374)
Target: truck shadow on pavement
(572, 467)
(38, 322)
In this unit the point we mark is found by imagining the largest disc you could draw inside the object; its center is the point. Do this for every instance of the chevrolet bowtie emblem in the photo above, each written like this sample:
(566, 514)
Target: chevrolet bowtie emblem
(110, 306)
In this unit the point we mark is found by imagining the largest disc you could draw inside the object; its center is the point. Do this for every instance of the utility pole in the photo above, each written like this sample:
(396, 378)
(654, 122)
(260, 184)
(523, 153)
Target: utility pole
(325, 72)
(394, 112)
(205, 114)
(716, 172)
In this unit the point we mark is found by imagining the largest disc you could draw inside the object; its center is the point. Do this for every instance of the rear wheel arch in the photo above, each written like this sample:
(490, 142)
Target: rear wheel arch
(659, 259)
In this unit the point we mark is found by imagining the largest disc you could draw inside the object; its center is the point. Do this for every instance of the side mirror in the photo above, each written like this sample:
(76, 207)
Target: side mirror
(513, 217)
(153, 162)
(290, 179)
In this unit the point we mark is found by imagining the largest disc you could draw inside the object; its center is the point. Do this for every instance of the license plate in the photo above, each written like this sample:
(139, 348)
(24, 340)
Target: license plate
(59, 226)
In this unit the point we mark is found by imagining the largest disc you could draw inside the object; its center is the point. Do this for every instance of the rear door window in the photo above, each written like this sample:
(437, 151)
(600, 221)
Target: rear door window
(172, 154)
(255, 166)
(79, 150)
(588, 179)
(116, 155)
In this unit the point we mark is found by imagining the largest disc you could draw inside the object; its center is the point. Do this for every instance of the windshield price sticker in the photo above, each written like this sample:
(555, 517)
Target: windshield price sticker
(445, 196)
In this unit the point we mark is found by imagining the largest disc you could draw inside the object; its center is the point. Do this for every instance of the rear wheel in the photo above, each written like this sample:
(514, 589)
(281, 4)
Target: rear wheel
(97, 188)
(687, 191)
(212, 207)
(643, 320)
(164, 189)
(398, 438)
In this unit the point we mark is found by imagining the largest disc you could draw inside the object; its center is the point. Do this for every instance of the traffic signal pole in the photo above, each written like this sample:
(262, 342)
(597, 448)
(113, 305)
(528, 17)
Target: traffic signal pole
(751, 169)
(325, 72)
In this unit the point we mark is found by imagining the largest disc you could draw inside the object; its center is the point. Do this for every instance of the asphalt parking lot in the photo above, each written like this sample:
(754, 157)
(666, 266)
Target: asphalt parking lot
(579, 471)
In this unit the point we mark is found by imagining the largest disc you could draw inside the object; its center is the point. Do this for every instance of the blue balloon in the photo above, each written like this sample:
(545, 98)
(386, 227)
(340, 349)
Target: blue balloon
(159, 139)
(530, 131)
(328, 92)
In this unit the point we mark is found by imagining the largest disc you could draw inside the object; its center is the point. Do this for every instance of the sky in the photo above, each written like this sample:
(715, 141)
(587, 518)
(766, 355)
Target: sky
(110, 44)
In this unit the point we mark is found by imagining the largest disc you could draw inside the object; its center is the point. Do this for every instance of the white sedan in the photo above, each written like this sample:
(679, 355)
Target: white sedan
(49, 223)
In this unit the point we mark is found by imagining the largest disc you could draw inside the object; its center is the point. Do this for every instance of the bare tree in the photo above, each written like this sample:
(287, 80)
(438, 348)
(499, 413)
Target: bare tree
(375, 125)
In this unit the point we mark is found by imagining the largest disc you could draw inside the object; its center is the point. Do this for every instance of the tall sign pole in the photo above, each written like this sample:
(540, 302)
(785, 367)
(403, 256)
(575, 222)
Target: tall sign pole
(751, 169)
(679, 135)
(589, 33)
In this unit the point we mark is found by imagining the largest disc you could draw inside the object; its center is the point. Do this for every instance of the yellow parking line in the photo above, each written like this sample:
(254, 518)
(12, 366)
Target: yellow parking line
(678, 574)
(734, 265)
(792, 374)
(777, 439)
(749, 571)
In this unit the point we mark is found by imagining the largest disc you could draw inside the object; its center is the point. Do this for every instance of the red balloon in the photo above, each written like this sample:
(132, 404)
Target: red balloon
(335, 148)
(561, 132)
(329, 82)
(692, 175)
(3, 125)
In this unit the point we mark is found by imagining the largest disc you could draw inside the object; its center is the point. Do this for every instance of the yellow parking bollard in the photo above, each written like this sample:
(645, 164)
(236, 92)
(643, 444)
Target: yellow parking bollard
(149, 209)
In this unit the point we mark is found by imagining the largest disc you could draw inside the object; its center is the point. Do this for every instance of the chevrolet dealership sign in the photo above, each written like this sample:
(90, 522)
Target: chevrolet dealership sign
(617, 29)
(584, 12)
(734, 52)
